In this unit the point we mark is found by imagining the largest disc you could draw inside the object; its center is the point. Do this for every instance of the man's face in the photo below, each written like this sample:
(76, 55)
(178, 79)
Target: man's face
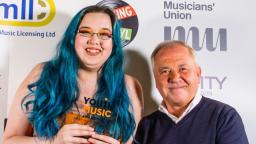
(176, 75)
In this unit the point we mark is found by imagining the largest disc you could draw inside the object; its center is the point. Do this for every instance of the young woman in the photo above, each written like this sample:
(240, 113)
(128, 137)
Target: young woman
(81, 95)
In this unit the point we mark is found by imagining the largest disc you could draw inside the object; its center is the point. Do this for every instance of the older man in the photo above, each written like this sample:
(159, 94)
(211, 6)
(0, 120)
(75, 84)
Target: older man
(184, 116)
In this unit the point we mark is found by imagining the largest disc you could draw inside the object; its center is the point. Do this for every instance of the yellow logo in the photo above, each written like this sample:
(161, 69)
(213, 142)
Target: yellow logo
(100, 108)
(33, 13)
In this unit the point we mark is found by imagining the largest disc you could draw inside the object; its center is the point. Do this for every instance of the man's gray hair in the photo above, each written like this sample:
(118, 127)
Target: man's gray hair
(171, 44)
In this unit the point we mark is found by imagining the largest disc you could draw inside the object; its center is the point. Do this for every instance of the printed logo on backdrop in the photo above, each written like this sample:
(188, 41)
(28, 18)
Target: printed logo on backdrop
(183, 10)
(127, 16)
(211, 84)
(27, 13)
(33, 13)
(211, 39)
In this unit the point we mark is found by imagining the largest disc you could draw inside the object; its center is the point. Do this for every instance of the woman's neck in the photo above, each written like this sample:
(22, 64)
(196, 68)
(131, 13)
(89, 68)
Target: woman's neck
(87, 82)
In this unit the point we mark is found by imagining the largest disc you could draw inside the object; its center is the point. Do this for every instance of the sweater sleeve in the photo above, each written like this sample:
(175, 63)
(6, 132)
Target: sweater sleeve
(142, 132)
(230, 128)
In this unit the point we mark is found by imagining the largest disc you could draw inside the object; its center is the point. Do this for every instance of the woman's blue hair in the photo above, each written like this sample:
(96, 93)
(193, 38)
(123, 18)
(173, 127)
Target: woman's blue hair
(56, 90)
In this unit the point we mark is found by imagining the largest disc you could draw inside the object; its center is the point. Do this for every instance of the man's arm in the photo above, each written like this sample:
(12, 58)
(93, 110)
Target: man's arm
(230, 128)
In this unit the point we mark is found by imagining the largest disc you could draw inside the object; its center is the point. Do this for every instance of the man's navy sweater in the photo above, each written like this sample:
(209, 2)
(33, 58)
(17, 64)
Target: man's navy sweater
(210, 122)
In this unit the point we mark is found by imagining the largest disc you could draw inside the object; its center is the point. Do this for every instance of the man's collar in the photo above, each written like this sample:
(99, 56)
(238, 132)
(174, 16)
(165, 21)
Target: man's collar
(193, 103)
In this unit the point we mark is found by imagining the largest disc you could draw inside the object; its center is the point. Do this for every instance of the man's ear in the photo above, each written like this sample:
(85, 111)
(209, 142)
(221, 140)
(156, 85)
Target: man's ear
(198, 71)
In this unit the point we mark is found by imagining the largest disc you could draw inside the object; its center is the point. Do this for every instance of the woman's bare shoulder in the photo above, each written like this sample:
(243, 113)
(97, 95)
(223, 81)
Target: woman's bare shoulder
(35, 72)
(132, 82)
(32, 77)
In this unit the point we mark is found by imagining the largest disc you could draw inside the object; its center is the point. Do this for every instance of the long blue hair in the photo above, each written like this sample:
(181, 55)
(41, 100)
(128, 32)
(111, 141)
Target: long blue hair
(56, 90)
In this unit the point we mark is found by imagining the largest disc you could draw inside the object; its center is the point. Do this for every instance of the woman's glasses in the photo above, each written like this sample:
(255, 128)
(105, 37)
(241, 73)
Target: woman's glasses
(103, 34)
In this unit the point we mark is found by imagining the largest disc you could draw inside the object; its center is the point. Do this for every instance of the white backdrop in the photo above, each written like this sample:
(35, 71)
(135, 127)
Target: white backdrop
(228, 64)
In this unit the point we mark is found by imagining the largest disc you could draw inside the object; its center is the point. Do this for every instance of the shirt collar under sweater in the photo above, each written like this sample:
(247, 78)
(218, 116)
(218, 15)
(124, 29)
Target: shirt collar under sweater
(194, 102)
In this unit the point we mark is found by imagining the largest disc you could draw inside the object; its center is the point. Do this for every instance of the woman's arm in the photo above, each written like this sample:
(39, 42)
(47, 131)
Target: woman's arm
(18, 128)
(136, 96)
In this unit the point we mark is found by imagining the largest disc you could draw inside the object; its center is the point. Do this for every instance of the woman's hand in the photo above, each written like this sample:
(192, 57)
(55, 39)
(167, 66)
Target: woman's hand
(102, 139)
(74, 134)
